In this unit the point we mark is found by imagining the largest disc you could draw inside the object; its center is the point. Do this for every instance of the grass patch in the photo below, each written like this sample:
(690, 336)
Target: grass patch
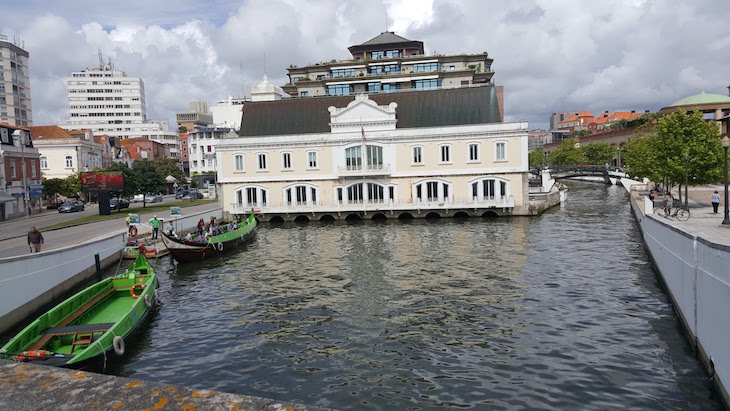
(123, 213)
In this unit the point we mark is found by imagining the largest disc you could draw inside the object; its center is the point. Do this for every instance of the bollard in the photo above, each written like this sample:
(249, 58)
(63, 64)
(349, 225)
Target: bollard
(98, 266)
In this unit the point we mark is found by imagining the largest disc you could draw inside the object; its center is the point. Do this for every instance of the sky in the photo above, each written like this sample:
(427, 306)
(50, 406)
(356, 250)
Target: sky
(550, 55)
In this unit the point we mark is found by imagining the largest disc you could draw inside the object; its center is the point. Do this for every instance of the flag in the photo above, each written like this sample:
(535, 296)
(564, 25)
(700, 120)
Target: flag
(362, 129)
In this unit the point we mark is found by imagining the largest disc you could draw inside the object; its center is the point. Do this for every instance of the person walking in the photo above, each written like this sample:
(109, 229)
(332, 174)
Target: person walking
(35, 240)
(155, 223)
(715, 198)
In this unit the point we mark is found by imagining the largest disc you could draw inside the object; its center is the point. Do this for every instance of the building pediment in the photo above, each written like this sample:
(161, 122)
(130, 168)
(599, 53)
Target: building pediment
(362, 114)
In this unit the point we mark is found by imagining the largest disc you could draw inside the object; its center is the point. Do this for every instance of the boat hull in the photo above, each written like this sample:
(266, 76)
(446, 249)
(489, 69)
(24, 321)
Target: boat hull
(186, 251)
(82, 329)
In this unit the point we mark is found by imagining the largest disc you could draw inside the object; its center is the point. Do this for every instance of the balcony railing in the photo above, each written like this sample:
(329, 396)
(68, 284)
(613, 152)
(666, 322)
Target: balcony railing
(372, 205)
(367, 170)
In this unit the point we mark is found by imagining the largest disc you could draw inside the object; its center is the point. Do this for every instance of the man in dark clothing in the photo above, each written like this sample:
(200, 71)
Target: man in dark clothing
(35, 240)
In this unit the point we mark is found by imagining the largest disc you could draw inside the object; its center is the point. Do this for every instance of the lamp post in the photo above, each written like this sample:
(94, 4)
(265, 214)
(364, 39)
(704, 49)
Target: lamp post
(726, 145)
(686, 180)
(26, 206)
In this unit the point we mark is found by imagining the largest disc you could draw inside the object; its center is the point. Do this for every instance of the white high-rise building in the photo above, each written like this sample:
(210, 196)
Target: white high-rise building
(109, 102)
(15, 108)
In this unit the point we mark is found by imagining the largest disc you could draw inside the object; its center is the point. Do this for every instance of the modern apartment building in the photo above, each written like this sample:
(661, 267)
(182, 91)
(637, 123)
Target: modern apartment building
(196, 116)
(389, 63)
(107, 101)
(228, 112)
(15, 105)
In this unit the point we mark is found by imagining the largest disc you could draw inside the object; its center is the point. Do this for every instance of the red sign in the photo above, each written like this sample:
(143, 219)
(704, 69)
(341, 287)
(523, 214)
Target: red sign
(111, 181)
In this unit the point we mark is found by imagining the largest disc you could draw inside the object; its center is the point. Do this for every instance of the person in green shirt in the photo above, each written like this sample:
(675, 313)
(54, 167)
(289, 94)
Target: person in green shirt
(155, 223)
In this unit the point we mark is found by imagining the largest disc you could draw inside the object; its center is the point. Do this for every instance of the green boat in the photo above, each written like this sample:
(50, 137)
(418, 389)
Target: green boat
(186, 251)
(92, 325)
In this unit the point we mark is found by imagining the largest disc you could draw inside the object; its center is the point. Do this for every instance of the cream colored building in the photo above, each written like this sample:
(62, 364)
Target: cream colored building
(408, 154)
(63, 153)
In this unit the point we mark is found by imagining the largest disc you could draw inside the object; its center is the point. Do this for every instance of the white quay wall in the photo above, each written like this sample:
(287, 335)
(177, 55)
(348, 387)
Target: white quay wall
(696, 273)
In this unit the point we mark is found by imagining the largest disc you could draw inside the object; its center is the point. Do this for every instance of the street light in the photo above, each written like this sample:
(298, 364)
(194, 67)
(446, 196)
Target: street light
(18, 134)
(726, 145)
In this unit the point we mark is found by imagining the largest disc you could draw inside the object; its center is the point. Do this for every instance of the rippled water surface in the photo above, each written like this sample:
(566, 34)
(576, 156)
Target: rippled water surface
(558, 312)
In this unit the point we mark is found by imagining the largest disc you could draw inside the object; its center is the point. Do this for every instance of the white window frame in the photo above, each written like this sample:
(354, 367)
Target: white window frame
(236, 167)
(444, 148)
(309, 160)
(44, 163)
(503, 144)
(286, 158)
(262, 196)
(69, 161)
(419, 149)
(259, 162)
(473, 146)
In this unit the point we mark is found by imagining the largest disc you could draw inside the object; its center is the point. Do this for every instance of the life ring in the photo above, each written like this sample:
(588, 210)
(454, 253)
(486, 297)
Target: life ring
(219, 246)
(147, 301)
(118, 344)
(133, 231)
(134, 287)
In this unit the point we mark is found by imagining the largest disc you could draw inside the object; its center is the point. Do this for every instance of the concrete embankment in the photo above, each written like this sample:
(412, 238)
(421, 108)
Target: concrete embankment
(35, 387)
(30, 281)
(693, 261)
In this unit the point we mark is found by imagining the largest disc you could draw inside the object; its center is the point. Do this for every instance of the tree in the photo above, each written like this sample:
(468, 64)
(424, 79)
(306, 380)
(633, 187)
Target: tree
(598, 153)
(150, 180)
(568, 153)
(170, 167)
(182, 129)
(537, 157)
(639, 158)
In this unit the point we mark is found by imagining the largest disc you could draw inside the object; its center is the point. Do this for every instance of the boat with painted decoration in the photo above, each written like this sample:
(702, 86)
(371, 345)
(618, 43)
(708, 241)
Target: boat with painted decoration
(193, 250)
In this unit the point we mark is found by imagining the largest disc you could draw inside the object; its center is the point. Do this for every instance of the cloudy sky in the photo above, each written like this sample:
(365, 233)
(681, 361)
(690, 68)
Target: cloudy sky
(550, 55)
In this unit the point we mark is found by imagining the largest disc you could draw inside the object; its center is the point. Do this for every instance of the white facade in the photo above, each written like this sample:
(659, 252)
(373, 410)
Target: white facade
(15, 104)
(62, 157)
(109, 102)
(203, 143)
(367, 165)
(228, 112)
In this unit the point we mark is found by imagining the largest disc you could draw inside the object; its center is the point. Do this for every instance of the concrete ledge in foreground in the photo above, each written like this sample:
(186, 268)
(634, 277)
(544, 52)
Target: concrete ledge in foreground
(26, 386)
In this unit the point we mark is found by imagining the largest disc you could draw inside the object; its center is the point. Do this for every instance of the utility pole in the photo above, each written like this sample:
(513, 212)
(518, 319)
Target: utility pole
(26, 201)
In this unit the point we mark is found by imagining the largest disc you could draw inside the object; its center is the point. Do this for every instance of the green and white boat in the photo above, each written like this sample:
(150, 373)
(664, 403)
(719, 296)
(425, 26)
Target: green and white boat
(187, 251)
(92, 325)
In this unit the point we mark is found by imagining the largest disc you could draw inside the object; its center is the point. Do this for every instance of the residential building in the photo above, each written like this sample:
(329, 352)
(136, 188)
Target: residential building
(389, 63)
(196, 116)
(184, 155)
(108, 101)
(228, 112)
(20, 172)
(556, 118)
(538, 138)
(439, 152)
(63, 152)
(107, 151)
(140, 149)
(203, 143)
(15, 103)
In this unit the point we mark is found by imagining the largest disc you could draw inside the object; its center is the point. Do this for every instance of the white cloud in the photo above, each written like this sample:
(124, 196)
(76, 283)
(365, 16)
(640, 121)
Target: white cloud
(551, 55)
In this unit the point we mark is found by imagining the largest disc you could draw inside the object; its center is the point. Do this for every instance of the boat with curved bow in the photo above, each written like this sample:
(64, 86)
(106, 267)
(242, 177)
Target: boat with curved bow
(193, 250)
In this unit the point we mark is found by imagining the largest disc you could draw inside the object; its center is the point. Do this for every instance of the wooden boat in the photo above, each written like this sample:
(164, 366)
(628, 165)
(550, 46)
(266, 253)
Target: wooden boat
(90, 326)
(185, 251)
(131, 252)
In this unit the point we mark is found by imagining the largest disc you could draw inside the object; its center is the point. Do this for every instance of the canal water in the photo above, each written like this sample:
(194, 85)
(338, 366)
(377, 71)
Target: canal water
(561, 311)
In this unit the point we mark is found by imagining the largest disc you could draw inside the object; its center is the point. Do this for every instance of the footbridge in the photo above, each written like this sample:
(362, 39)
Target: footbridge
(609, 174)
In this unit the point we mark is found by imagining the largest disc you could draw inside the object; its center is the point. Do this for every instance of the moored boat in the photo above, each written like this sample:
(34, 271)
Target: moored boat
(92, 325)
(131, 252)
(184, 251)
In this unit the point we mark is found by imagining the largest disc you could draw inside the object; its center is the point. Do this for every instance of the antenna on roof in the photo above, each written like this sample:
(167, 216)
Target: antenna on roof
(242, 90)
(265, 64)
(386, 18)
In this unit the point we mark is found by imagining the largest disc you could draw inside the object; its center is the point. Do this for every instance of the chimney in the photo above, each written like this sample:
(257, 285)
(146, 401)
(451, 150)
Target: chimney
(633, 111)
(646, 111)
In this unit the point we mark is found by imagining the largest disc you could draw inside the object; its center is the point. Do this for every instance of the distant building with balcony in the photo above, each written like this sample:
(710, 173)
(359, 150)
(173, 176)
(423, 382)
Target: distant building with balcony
(390, 63)
(202, 147)
(20, 172)
(442, 152)
(15, 104)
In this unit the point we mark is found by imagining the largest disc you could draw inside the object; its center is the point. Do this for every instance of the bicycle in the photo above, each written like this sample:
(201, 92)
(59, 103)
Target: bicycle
(680, 213)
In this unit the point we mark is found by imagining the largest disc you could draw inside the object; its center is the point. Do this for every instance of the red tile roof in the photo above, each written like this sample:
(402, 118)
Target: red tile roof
(49, 132)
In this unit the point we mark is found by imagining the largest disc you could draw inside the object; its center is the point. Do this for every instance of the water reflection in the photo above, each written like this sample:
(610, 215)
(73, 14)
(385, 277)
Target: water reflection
(556, 312)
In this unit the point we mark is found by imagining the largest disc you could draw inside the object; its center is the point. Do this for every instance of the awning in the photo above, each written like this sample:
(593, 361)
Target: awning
(5, 197)
(35, 194)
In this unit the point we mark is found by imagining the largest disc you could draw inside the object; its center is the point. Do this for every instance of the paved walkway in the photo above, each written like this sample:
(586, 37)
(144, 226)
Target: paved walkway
(14, 243)
(703, 222)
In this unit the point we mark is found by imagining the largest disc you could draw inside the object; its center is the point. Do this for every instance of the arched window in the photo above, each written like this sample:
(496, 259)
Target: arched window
(252, 196)
(432, 191)
(301, 194)
(489, 188)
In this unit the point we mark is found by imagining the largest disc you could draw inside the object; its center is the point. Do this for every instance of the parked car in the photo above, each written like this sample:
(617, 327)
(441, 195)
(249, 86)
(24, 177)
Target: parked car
(194, 194)
(71, 206)
(152, 198)
(118, 203)
(181, 193)
(138, 198)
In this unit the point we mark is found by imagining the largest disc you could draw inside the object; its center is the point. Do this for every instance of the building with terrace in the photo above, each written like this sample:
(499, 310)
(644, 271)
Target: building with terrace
(389, 63)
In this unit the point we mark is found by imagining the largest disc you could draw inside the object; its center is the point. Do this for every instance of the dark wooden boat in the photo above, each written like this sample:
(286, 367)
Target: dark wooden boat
(185, 251)
(92, 325)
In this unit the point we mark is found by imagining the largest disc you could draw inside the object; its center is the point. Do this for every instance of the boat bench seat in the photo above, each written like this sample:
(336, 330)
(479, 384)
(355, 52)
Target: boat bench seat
(78, 329)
